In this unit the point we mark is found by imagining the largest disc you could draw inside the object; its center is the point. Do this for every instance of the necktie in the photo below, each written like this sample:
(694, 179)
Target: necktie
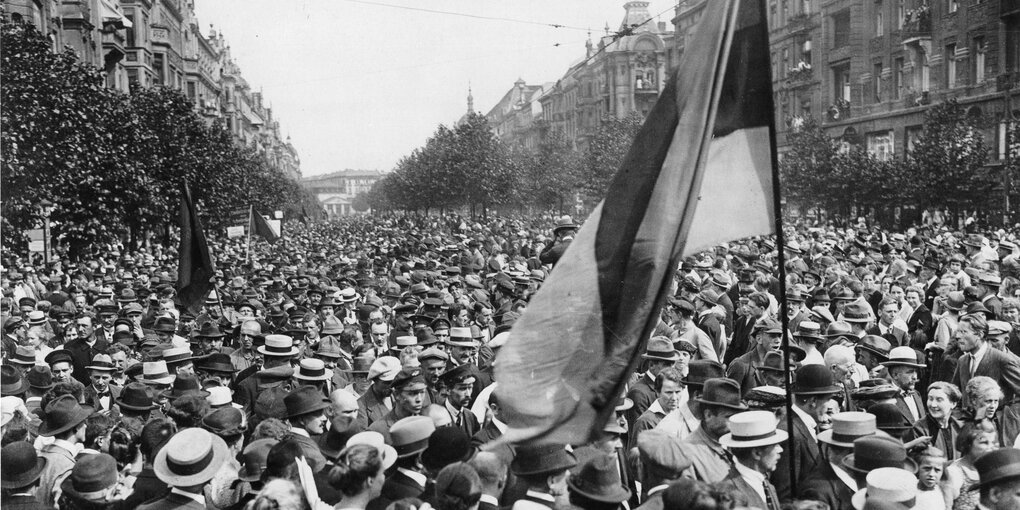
(973, 364)
(770, 502)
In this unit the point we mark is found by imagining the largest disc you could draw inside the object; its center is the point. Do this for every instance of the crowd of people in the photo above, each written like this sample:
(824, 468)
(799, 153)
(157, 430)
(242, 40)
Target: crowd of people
(351, 366)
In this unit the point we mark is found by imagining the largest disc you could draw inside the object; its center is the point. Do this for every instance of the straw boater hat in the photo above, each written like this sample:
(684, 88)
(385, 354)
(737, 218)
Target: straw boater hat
(387, 453)
(751, 429)
(191, 457)
(890, 485)
(461, 337)
(280, 346)
(311, 369)
(847, 428)
(902, 356)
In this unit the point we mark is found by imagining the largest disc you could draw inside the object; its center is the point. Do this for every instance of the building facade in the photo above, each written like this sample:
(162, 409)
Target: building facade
(336, 191)
(158, 43)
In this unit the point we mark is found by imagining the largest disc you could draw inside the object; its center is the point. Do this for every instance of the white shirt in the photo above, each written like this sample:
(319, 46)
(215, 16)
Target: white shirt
(844, 476)
(977, 357)
(198, 498)
(300, 432)
(753, 478)
(414, 475)
(807, 419)
(912, 406)
(490, 500)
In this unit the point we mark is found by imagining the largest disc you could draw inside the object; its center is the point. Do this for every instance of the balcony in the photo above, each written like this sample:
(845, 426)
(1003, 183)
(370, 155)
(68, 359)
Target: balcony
(840, 110)
(799, 75)
(645, 87)
(916, 26)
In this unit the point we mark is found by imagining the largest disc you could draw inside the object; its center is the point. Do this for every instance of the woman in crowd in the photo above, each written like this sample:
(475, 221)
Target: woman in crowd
(939, 426)
(358, 475)
(976, 439)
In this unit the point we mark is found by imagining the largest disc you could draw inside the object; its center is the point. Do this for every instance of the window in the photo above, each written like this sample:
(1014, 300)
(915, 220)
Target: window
(785, 63)
(950, 58)
(1001, 138)
(925, 73)
(880, 145)
(1012, 43)
(841, 80)
(876, 80)
(129, 35)
(897, 88)
(913, 134)
(191, 90)
(786, 10)
(879, 29)
(157, 67)
(841, 29)
(979, 59)
(901, 12)
(775, 66)
(805, 107)
(773, 14)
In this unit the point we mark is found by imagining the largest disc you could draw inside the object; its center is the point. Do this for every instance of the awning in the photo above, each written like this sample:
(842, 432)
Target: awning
(113, 16)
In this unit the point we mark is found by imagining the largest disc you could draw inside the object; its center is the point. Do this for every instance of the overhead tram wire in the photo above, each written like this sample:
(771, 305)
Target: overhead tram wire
(467, 15)
(624, 32)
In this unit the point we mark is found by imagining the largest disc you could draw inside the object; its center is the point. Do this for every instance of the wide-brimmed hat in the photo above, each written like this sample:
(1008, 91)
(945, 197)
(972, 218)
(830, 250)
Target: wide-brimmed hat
(599, 480)
(20, 465)
(280, 346)
(191, 457)
(304, 400)
(889, 485)
(253, 459)
(878, 451)
(889, 418)
(156, 372)
(814, 380)
(23, 355)
(722, 392)
(661, 348)
(997, 466)
(808, 330)
(225, 422)
(90, 477)
(210, 329)
(848, 427)
(332, 326)
(699, 371)
(177, 355)
(40, 377)
(135, 397)
(102, 363)
(447, 445)
(62, 414)
(387, 453)
(541, 459)
(751, 429)
(903, 356)
(185, 385)
(876, 345)
(217, 363)
(165, 325)
(411, 435)
(311, 369)
(11, 381)
(773, 362)
(856, 312)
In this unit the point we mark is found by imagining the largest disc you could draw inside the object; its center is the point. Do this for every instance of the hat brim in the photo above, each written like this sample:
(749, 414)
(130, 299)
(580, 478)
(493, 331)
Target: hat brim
(848, 463)
(129, 407)
(323, 377)
(262, 350)
(83, 414)
(892, 363)
(220, 455)
(738, 407)
(625, 405)
(829, 390)
(728, 441)
(662, 357)
(472, 343)
(825, 436)
(25, 479)
(854, 319)
(169, 379)
(317, 407)
(619, 493)
(23, 362)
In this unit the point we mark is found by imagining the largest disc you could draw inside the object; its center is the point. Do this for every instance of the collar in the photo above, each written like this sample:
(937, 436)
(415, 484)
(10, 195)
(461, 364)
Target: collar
(300, 432)
(89, 451)
(540, 495)
(454, 413)
(71, 448)
(487, 498)
(807, 419)
(499, 425)
(418, 478)
(650, 376)
(753, 477)
(844, 476)
(979, 355)
(656, 407)
(657, 489)
(198, 498)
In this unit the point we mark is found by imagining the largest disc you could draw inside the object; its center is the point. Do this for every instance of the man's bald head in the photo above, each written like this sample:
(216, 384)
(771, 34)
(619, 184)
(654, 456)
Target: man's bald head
(343, 410)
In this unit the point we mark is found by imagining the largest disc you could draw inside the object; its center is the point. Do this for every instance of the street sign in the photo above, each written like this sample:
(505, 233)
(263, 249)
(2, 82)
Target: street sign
(36, 240)
(239, 216)
(237, 231)
(278, 215)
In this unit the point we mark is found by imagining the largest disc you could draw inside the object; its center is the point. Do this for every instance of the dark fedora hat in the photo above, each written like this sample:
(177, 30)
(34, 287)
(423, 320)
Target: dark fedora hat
(889, 418)
(165, 325)
(135, 397)
(224, 422)
(210, 329)
(699, 371)
(542, 459)
(216, 362)
(40, 377)
(599, 479)
(814, 380)
(722, 392)
(994, 467)
(11, 381)
(185, 384)
(90, 477)
(63, 414)
(21, 465)
(661, 348)
(873, 452)
(773, 362)
(876, 345)
(304, 400)
(446, 446)
(253, 459)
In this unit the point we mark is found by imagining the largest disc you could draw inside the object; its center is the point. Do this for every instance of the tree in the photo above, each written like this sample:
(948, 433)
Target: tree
(604, 154)
(360, 202)
(807, 170)
(551, 176)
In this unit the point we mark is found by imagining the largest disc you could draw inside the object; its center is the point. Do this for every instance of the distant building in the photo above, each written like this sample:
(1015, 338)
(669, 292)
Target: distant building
(336, 191)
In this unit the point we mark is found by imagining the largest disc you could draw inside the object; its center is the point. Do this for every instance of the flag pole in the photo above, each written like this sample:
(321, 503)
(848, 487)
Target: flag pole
(777, 205)
(247, 251)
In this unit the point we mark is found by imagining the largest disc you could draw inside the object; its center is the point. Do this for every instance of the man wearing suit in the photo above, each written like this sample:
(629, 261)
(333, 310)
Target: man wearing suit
(903, 368)
(376, 402)
(20, 476)
(710, 462)
(980, 358)
(707, 319)
(754, 442)
(64, 421)
(101, 395)
(888, 312)
(492, 472)
(831, 483)
(812, 390)
(659, 355)
(177, 464)
(989, 285)
(84, 349)
(306, 414)
(459, 382)
(410, 437)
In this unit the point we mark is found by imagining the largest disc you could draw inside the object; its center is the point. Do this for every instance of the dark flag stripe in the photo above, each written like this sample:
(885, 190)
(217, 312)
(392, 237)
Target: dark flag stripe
(195, 268)
(263, 229)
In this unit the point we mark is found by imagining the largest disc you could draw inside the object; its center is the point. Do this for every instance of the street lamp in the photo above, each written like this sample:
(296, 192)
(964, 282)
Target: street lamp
(46, 209)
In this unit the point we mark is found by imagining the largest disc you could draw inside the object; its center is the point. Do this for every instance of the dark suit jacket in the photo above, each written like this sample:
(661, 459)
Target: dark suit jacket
(92, 400)
(24, 502)
(311, 450)
(397, 486)
(823, 485)
(370, 408)
(171, 502)
(709, 323)
(901, 404)
(642, 394)
(736, 483)
(146, 488)
(896, 336)
(742, 370)
(993, 304)
(805, 456)
(1000, 366)
(741, 341)
(920, 322)
(82, 354)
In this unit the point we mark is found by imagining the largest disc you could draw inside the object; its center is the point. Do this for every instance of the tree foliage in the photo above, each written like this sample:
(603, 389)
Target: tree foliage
(112, 162)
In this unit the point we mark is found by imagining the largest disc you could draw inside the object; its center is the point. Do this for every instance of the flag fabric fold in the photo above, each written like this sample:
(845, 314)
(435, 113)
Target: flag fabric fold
(195, 268)
(698, 173)
(261, 227)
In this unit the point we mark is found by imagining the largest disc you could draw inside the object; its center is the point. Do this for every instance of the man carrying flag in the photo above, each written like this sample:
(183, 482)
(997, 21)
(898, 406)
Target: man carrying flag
(700, 172)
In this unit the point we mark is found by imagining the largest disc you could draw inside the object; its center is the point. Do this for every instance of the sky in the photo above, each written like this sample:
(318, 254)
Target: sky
(358, 84)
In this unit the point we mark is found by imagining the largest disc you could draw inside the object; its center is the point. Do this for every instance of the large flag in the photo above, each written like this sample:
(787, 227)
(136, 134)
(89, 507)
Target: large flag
(699, 173)
(195, 265)
(261, 227)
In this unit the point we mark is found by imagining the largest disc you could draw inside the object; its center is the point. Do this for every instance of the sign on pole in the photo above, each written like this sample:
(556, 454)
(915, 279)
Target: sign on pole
(278, 215)
(233, 232)
(36, 240)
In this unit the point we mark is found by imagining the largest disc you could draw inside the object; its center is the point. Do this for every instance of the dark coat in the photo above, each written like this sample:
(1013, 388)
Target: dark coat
(896, 336)
(397, 486)
(370, 408)
(806, 457)
(901, 404)
(736, 483)
(823, 485)
(642, 393)
(24, 502)
(146, 488)
(82, 354)
(1000, 366)
(91, 398)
